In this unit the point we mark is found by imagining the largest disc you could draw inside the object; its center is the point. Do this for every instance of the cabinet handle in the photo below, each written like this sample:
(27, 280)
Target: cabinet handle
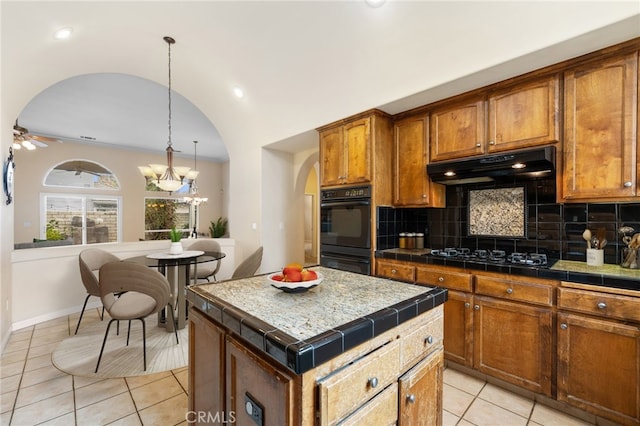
(563, 326)
(424, 195)
(478, 145)
(393, 271)
(373, 382)
(476, 307)
(602, 305)
(509, 290)
(627, 184)
(466, 305)
(492, 142)
(411, 398)
(429, 340)
(441, 279)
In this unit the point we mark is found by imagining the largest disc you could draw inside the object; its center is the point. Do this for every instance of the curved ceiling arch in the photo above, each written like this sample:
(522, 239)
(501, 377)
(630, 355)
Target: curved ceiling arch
(121, 110)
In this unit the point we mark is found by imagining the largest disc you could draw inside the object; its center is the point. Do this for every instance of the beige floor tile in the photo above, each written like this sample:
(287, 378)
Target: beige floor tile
(52, 323)
(549, 417)
(137, 381)
(39, 375)
(16, 345)
(155, 392)
(50, 388)
(449, 419)
(11, 383)
(99, 391)
(39, 350)
(57, 328)
(11, 357)
(483, 413)
(170, 411)
(44, 410)
(455, 401)
(463, 422)
(80, 382)
(130, 420)
(462, 381)
(5, 418)
(515, 403)
(11, 369)
(183, 379)
(46, 338)
(65, 420)
(38, 362)
(7, 399)
(106, 411)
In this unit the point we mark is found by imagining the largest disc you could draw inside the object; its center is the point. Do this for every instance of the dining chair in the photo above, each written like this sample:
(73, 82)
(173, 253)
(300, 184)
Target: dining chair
(90, 261)
(205, 269)
(143, 292)
(249, 266)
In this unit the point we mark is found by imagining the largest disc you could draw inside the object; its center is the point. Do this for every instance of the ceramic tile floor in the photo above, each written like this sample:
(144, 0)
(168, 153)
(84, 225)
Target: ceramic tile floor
(34, 392)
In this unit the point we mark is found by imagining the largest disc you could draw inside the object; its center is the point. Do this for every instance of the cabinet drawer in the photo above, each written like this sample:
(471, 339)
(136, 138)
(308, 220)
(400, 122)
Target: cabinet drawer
(344, 391)
(447, 279)
(603, 304)
(381, 410)
(424, 339)
(396, 271)
(523, 291)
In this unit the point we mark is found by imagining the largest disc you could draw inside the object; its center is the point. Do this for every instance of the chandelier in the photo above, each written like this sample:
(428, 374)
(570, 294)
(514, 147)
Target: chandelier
(166, 177)
(194, 197)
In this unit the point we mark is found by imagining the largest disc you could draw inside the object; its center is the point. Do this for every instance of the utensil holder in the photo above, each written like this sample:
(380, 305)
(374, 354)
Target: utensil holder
(630, 257)
(595, 257)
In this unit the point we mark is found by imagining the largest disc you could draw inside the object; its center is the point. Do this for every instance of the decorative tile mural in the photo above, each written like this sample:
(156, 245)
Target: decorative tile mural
(497, 212)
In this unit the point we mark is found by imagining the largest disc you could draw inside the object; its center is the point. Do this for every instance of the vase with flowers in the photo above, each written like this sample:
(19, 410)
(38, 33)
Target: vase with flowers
(176, 245)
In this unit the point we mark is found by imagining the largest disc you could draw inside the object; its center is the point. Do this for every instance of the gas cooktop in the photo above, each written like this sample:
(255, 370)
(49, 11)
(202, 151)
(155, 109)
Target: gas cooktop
(492, 256)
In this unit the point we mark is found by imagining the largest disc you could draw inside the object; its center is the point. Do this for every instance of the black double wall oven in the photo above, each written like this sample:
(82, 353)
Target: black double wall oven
(345, 229)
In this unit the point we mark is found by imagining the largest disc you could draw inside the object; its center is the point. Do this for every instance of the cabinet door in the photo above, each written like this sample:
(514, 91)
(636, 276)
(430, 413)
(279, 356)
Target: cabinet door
(411, 182)
(458, 328)
(512, 342)
(421, 393)
(525, 116)
(600, 138)
(357, 151)
(458, 132)
(206, 366)
(599, 366)
(332, 156)
(252, 384)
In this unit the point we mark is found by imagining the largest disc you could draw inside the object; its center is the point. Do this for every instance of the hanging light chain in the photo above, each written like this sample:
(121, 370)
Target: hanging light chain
(169, 41)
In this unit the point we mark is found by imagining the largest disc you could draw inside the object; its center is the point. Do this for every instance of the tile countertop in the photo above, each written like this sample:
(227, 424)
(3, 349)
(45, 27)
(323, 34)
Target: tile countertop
(607, 275)
(304, 330)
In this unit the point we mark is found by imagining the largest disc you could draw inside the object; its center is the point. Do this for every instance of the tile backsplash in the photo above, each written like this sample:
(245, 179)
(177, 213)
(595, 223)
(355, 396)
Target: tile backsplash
(551, 228)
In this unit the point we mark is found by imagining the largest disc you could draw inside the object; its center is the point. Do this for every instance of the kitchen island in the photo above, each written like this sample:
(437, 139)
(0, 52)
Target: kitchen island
(354, 348)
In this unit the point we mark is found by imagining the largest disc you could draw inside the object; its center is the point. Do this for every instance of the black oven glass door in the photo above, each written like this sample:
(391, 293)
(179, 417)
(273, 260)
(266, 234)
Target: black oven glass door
(346, 223)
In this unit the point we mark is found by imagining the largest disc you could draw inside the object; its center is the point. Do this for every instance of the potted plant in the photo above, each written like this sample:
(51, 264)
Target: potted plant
(176, 245)
(218, 228)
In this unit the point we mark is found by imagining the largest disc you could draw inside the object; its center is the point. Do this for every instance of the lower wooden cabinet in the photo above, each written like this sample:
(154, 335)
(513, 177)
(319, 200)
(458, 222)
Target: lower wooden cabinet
(421, 392)
(458, 327)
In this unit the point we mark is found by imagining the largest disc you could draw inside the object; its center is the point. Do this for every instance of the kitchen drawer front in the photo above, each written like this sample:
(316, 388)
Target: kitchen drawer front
(423, 340)
(381, 410)
(607, 305)
(523, 291)
(347, 389)
(396, 271)
(447, 279)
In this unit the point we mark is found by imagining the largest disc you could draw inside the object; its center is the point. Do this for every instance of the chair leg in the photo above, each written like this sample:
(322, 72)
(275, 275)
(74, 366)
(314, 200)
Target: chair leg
(175, 329)
(144, 343)
(82, 312)
(102, 315)
(106, 333)
(128, 332)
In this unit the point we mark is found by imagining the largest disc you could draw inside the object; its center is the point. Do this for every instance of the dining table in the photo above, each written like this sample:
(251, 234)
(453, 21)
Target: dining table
(177, 269)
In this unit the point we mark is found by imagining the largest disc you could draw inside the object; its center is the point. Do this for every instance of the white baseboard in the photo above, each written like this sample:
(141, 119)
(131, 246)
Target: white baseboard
(95, 303)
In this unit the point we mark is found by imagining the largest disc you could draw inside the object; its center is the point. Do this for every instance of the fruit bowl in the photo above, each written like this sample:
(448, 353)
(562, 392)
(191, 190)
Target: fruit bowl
(294, 287)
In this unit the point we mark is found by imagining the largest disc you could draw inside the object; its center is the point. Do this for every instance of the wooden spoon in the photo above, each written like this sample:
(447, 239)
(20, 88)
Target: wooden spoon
(587, 237)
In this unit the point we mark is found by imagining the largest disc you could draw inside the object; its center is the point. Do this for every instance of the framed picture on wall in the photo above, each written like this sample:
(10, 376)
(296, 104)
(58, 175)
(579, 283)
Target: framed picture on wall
(498, 212)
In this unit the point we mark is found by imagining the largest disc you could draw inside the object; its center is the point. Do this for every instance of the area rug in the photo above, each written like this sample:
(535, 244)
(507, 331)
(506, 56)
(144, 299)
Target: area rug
(78, 354)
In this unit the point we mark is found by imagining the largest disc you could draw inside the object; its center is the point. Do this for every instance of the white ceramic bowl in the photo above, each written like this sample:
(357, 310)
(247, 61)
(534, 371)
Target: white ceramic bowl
(294, 287)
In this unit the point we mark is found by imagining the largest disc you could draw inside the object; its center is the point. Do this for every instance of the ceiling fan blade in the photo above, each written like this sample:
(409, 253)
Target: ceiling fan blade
(37, 142)
(44, 139)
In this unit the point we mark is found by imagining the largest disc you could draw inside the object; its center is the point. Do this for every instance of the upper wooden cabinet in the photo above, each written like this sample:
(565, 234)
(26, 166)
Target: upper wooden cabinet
(517, 117)
(411, 185)
(600, 140)
(524, 116)
(349, 148)
(458, 130)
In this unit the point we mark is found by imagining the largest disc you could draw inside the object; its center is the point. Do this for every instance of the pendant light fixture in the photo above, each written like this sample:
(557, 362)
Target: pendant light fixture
(166, 177)
(194, 197)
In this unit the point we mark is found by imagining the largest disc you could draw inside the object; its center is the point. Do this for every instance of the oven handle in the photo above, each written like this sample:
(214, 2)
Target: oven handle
(349, 258)
(346, 203)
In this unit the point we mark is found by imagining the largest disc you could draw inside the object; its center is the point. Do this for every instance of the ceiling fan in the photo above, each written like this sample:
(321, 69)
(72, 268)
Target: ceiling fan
(22, 138)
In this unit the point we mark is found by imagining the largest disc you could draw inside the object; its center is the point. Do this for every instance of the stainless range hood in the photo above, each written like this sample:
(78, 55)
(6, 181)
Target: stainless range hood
(526, 164)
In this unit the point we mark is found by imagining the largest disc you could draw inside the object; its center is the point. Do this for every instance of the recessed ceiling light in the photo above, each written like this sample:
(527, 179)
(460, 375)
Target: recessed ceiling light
(519, 166)
(375, 3)
(63, 33)
(450, 173)
(238, 92)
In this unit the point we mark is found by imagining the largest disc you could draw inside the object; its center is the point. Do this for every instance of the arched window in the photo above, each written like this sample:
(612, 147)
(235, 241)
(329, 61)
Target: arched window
(82, 174)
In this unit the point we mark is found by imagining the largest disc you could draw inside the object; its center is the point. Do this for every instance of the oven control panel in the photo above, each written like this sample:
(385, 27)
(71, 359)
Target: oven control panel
(346, 193)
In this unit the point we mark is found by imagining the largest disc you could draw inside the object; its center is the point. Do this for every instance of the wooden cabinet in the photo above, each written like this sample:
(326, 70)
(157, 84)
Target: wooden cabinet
(600, 137)
(411, 185)
(459, 130)
(395, 270)
(351, 148)
(525, 116)
(421, 392)
(598, 355)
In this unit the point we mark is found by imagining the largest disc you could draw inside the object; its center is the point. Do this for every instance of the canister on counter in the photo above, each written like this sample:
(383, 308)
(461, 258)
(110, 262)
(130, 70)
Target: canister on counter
(402, 241)
(419, 240)
(411, 240)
